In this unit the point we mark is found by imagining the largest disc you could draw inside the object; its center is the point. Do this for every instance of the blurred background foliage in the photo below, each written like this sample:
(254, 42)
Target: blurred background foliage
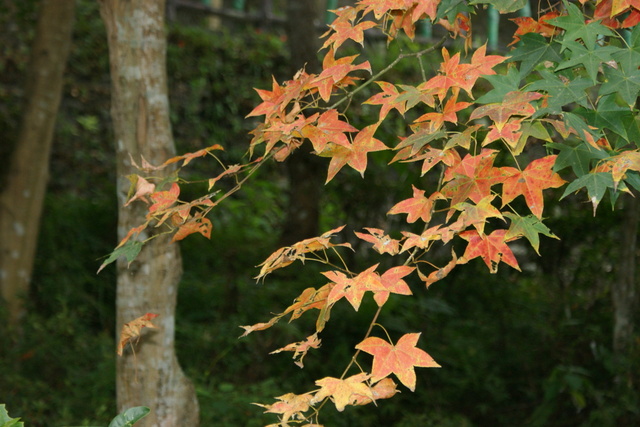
(530, 349)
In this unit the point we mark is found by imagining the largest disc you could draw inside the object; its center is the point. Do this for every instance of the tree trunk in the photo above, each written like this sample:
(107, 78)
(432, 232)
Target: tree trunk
(22, 195)
(140, 112)
(624, 289)
(306, 173)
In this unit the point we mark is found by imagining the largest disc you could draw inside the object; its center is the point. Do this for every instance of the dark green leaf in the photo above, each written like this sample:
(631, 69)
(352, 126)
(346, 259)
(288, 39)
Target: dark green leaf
(129, 250)
(596, 185)
(503, 6)
(502, 85)
(578, 157)
(532, 50)
(576, 28)
(529, 227)
(591, 59)
(561, 92)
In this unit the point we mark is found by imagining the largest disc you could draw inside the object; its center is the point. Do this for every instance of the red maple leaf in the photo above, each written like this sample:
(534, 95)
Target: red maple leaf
(382, 243)
(392, 281)
(492, 248)
(537, 176)
(399, 359)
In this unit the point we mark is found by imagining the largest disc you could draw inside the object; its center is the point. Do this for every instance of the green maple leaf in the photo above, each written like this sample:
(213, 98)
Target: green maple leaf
(623, 79)
(617, 118)
(532, 50)
(596, 185)
(576, 28)
(529, 227)
(503, 6)
(502, 84)
(578, 157)
(561, 91)
(129, 250)
(590, 58)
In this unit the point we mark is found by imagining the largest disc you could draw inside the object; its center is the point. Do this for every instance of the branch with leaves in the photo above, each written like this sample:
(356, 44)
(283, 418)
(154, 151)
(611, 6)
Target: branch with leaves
(563, 99)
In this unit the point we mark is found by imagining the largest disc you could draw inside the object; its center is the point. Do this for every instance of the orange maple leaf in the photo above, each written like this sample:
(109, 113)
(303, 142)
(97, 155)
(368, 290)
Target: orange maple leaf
(382, 243)
(355, 155)
(526, 24)
(301, 348)
(399, 359)
(537, 176)
(190, 156)
(492, 248)
(417, 207)
(164, 199)
(472, 178)
(343, 392)
(353, 289)
(383, 389)
(392, 281)
(289, 405)
(197, 224)
(133, 329)
(329, 128)
(344, 30)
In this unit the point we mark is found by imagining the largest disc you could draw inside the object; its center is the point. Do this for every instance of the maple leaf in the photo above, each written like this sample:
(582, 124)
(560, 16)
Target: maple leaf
(476, 215)
(353, 289)
(389, 99)
(448, 113)
(288, 254)
(399, 359)
(343, 392)
(463, 76)
(440, 273)
(421, 241)
(334, 73)
(529, 227)
(510, 132)
(355, 155)
(472, 178)
(382, 243)
(526, 25)
(273, 101)
(164, 199)
(329, 128)
(143, 188)
(133, 329)
(345, 30)
(620, 164)
(259, 326)
(537, 176)
(290, 405)
(392, 281)
(492, 248)
(300, 349)
(190, 156)
(383, 389)
(308, 299)
(515, 103)
(417, 207)
(196, 225)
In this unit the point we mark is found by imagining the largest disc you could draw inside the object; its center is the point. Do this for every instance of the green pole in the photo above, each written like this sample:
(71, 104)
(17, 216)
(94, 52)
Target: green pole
(238, 4)
(493, 27)
(330, 16)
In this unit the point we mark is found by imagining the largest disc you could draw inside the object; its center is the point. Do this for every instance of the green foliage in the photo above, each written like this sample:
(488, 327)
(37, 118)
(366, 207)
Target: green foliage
(129, 417)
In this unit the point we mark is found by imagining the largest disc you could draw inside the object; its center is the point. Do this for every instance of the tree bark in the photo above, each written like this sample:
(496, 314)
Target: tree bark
(306, 173)
(624, 289)
(140, 111)
(22, 195)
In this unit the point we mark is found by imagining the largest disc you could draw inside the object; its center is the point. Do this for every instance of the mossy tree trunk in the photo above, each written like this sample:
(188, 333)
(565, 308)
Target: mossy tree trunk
(24, 185)
(140, 112)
